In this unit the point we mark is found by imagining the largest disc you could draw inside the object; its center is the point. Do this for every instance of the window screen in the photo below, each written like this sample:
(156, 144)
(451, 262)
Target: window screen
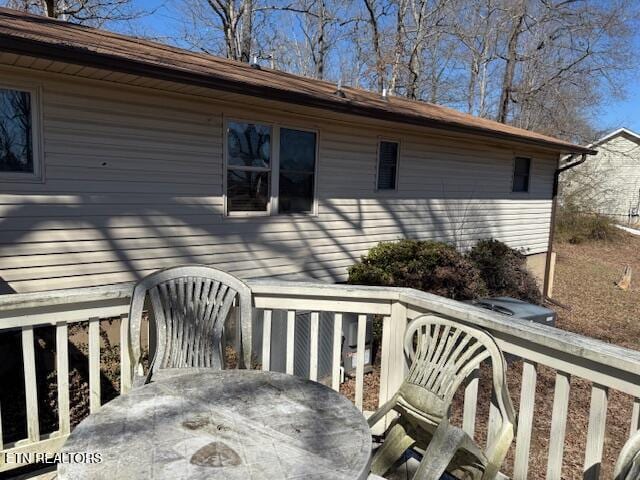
(16, 143)
(297, 170)
(387, 165)
(521, 168)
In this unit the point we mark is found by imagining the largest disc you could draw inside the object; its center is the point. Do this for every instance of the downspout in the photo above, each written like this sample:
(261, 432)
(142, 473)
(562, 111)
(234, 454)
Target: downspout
(552, 229)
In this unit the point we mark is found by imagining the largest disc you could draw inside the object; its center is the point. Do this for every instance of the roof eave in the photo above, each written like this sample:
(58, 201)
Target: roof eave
(86, 57)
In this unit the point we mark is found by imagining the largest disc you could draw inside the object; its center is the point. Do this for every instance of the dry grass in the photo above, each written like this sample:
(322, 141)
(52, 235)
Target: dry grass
(585, 280)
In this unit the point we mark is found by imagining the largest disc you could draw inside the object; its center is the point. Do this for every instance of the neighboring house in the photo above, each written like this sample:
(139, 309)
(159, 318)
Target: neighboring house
(121, 156)
(609, 183)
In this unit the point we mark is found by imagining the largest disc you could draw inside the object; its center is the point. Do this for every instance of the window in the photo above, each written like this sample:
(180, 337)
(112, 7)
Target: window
(521, 168)
(248, 167)
(17, 156)
(387, 165)
(297, 169)
(262, 180)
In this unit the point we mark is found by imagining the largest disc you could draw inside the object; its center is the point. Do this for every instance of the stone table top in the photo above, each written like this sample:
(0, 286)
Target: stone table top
(230, 424)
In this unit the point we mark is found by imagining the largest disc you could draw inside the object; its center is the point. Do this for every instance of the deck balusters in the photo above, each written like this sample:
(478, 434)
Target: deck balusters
(62, 373)
(30, 386)
(94, 364)
(525, 420)
(266, 340)
(337, 351)
(558, 425)
(313, 346)
(291, 338)
(595, 432)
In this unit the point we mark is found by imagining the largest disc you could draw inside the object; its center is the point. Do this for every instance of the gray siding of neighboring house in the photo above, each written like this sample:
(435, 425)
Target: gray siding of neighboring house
(609, 182)
(134, 182)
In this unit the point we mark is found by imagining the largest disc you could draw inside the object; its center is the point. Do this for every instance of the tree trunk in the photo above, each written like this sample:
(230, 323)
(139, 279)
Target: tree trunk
(375, 39)
(400, 35)
(50, 8)
(246, 34)
(322, 46)
(414, 74)
(511, 61)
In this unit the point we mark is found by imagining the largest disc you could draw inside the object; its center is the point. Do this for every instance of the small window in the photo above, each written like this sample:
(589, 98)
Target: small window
(387, 165)
(248, 167)
(16, 132)
(297, 170)
(521, 169)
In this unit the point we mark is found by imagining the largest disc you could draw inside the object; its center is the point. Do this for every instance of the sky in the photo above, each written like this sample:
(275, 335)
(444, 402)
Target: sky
(623, 113)
(614, 113)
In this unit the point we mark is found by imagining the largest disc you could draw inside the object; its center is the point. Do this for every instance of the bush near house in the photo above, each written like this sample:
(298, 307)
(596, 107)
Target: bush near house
(434, 267)
(490, 268)
(575, 227)
(504, 271)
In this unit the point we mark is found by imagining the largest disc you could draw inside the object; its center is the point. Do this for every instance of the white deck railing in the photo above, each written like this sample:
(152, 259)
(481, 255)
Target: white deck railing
(606, 367)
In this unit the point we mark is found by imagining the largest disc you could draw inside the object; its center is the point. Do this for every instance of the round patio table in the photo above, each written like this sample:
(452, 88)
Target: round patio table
(230, 424)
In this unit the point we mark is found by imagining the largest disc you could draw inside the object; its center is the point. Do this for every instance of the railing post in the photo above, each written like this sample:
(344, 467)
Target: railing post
(393, 367)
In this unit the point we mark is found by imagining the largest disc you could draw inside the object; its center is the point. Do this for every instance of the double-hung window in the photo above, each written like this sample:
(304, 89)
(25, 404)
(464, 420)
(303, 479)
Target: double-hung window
(19, 147)
(270, 169)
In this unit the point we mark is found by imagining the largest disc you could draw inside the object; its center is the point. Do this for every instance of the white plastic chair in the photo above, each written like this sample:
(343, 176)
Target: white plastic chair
(190, 305)
(628, 464)
(442, 355)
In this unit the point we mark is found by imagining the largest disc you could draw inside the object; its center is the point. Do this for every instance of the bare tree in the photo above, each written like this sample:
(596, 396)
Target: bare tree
(426, 17)
(560, 57)
(373, 14)
(315, 21)
(231, 21)
(475, 26)
(517, 13)
(91, 12)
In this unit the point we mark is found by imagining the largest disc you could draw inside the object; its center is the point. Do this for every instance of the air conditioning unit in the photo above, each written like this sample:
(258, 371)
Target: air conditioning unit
(518, 309)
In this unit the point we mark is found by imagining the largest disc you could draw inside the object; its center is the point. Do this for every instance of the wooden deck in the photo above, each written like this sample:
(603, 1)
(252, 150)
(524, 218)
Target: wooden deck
(605, 367)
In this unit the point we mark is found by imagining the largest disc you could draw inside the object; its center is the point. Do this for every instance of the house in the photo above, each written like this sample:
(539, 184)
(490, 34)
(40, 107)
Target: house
(120, 156)
(609, 183)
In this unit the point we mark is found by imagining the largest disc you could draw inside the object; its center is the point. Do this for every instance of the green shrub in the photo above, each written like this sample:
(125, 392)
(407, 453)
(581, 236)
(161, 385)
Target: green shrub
(504, 271)
(425, 265)
(576, 227)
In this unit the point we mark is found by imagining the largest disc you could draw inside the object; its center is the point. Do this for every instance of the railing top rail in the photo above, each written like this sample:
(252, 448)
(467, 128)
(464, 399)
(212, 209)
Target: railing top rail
(313, 289)
(19, 301)
(560, 340)
(564, 341)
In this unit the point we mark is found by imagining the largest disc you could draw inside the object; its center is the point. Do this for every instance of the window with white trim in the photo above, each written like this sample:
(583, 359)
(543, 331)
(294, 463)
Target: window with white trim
(270, 169)
(387, 178)
(19, 150)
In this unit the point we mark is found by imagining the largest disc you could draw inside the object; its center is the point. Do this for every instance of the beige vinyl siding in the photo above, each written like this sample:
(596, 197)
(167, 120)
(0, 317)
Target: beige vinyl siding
(614, 176)
(133, 183)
